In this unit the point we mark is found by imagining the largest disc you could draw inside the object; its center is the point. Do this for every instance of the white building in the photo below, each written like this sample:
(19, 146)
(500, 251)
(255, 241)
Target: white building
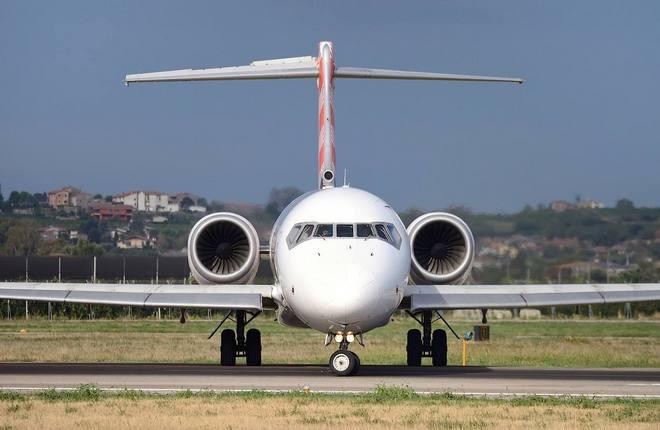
(196, 208)
(146, 201)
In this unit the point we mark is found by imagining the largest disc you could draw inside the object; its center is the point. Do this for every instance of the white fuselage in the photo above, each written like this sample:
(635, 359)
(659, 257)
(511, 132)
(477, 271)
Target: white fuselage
(349, 283)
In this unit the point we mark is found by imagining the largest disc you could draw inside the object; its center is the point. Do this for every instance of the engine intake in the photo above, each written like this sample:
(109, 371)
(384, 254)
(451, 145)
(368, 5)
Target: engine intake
(442, 249)
(223, 248)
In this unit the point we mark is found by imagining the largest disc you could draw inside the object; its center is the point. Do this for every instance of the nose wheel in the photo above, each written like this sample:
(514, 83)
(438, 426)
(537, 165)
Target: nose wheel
(344, 362)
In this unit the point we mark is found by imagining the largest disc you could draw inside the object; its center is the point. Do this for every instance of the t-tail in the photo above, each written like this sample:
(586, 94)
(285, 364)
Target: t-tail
(324, 70)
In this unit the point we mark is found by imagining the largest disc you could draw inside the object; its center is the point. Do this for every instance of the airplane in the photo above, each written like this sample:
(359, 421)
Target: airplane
(343, 261)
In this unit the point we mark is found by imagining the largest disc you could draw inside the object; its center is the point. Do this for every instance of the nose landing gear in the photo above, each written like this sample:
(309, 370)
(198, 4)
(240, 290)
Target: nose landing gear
(344, 362)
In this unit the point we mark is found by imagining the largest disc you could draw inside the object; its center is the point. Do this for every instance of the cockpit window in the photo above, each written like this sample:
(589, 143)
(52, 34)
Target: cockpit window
(306, 233)
(323, 230)
(293, 235)
(394, 234)
(364, 230)
(344, 230)
(382, 232)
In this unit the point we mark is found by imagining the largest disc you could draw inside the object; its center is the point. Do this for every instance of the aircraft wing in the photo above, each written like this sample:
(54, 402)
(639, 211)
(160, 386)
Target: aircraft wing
(229, 297)
(431, 297)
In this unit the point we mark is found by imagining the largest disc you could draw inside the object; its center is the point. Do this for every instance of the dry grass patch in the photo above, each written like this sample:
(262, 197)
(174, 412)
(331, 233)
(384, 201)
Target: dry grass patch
(389, 408)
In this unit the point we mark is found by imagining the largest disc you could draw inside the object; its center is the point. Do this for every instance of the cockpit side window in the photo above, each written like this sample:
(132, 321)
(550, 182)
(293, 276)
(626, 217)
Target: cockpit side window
(324, 230)
(306, 233)
(394, 234)
(293, 235)
(344, 230)
(364, 230)
(382, 232)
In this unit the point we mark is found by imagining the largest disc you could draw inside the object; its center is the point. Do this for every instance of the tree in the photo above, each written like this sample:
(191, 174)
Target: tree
(202, 202)
(22, 238)
(186, 202)
(108, 199)
(39, 198)
(84, 248)
(14, 199)
(280, 198)
(98, 197)
(625, 204)
(93, 229)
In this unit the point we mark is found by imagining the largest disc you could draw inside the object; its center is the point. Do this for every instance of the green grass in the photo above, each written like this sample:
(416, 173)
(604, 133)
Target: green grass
(544, 343)
(499, 329)
(381, 394)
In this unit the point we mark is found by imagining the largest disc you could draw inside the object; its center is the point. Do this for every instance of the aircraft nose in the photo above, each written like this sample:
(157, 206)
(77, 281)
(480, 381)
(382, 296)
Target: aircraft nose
(355, 295)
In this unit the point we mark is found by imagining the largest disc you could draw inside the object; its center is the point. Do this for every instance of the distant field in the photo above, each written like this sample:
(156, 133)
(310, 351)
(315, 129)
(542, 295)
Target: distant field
(384, 408)
(545, 343)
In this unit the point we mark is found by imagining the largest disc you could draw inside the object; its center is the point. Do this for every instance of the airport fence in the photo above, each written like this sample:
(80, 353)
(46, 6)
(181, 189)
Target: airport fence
(131, 269)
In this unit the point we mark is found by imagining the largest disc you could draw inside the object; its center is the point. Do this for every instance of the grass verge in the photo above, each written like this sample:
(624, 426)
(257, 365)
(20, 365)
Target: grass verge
(386, 407)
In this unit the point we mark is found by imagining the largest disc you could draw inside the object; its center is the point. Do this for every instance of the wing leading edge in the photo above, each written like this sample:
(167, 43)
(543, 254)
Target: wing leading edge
(230, 297)
(431, 297)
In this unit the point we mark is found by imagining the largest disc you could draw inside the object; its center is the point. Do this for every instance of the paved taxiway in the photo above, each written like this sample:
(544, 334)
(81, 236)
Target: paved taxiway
(465, 380)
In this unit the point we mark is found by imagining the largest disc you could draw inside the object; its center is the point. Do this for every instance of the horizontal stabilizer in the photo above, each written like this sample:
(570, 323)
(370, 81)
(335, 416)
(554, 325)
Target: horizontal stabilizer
(284, 68)
(299, 67)
(363, 73)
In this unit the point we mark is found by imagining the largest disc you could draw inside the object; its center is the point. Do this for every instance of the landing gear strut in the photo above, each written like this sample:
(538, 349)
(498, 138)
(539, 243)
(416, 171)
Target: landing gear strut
(344, 362)
(427, 344)
(240, 344)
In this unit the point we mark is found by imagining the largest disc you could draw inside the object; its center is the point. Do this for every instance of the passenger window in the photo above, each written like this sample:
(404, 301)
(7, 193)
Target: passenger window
(382, 232)
(394, 234)
(323, 230)
(364, 230)
(344, 230)
(306, 233)
(293, 234)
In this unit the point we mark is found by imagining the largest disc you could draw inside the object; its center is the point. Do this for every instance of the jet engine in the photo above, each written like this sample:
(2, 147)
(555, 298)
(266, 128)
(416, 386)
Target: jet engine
(223, 248)
(442, 249)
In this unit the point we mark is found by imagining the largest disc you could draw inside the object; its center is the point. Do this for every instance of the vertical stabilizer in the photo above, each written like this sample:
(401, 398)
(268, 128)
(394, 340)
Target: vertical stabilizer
(326, 64)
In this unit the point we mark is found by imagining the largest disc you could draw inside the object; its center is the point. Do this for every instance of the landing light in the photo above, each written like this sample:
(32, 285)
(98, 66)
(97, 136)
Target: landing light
(339, 337)
(350, 337)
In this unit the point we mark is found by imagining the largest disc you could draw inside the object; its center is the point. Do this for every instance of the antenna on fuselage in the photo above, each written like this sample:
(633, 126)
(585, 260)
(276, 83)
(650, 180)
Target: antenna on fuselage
(345, 177)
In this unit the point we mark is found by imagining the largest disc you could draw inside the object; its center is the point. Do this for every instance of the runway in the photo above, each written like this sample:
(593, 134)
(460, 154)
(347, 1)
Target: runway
(478, 381)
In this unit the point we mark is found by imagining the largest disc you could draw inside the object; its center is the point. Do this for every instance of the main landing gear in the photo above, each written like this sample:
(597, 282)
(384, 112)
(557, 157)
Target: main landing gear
(238, 343)
(429, 344)
(344, 362)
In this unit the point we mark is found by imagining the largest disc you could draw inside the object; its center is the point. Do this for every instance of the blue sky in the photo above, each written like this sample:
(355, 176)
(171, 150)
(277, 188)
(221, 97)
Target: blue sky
(585, 122)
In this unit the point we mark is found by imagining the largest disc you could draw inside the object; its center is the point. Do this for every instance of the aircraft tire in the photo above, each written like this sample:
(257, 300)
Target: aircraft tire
(228, 347)
(414, 347)
(253, 347)
(439, 348)
(356, 369)
(342, 362)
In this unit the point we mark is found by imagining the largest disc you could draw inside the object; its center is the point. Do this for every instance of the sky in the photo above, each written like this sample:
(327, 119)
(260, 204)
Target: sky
(586, 122)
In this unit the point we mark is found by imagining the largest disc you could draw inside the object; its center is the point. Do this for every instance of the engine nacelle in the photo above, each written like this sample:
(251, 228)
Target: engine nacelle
(223, 248)
(442, 249)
